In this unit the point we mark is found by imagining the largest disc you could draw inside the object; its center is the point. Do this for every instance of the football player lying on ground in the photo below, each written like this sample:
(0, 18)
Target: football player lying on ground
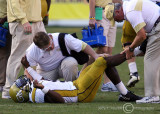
(81, 90)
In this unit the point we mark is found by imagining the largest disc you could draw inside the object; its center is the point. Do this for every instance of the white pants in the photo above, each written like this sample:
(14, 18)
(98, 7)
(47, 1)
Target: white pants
(68, 69)
(152, 64)
(20, 42)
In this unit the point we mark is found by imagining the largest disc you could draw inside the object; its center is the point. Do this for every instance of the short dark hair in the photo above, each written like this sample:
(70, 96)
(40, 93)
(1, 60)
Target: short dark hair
(117, 6)
(41, 39)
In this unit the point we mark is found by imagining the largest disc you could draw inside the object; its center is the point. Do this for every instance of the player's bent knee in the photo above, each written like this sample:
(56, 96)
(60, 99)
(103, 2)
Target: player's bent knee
(100, 61)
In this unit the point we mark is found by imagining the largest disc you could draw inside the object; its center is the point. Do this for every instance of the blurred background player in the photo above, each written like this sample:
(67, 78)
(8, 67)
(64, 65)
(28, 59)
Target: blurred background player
(97, 16)
(45, 4)
(128, 35)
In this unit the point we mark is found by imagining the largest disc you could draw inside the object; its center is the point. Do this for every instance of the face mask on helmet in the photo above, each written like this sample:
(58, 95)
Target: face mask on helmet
(19, 91)
(22, 81)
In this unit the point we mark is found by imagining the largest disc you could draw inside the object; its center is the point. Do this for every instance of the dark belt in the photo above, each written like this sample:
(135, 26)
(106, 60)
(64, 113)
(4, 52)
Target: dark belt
(100, 7)
(19, 22)
(158, 20)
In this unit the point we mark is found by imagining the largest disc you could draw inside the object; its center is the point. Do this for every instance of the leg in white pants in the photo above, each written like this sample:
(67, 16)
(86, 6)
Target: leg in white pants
(69, 69)
(152, 64)
(49, 75)
(152, 69)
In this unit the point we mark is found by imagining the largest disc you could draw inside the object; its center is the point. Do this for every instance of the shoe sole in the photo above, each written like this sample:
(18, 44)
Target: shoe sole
(6, 97)
(125, 100)
(132, 84)
(154, 102)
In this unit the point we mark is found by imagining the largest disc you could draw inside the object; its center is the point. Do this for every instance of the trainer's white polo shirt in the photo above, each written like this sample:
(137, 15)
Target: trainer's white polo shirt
(141, 15)
(49, 60)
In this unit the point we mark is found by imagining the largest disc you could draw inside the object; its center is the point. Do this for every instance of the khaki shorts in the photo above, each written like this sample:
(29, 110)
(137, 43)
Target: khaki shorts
(128, 34)
(109, 31)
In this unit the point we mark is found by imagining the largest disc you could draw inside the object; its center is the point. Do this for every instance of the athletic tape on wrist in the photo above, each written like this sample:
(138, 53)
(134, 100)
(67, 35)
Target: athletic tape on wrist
(45, 90)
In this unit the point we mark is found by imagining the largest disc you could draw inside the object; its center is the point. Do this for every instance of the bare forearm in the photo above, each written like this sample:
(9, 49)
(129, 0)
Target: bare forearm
(140, 37)
(136, 42)
(28, 75)
(92, 8)
(90, 52)
(34, 74)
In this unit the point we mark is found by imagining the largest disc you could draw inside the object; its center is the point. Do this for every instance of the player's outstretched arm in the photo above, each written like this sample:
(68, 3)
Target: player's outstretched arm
(50, 96)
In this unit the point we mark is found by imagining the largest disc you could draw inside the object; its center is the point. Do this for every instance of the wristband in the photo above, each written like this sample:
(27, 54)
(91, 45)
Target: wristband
(91, 17)
(45, 90)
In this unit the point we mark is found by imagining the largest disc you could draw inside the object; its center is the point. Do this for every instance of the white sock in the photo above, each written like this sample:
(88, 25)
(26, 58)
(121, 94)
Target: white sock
(137, 51)
(121, 88)
(132, 67)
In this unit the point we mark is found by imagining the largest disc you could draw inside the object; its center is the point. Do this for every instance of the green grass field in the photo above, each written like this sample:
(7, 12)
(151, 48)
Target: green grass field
(104, 102)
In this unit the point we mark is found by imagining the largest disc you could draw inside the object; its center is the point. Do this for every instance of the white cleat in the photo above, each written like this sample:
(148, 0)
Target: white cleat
(152, 99)
(5, 95)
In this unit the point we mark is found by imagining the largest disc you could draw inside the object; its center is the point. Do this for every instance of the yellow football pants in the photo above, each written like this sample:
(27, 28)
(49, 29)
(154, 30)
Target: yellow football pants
(90, 80)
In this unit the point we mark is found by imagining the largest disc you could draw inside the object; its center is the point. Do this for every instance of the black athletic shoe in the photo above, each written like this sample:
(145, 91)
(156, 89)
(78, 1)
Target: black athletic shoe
(129, 97)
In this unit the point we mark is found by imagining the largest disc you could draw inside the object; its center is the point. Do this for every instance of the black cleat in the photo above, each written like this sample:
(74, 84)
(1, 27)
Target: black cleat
(134, 78)
(129, 97)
